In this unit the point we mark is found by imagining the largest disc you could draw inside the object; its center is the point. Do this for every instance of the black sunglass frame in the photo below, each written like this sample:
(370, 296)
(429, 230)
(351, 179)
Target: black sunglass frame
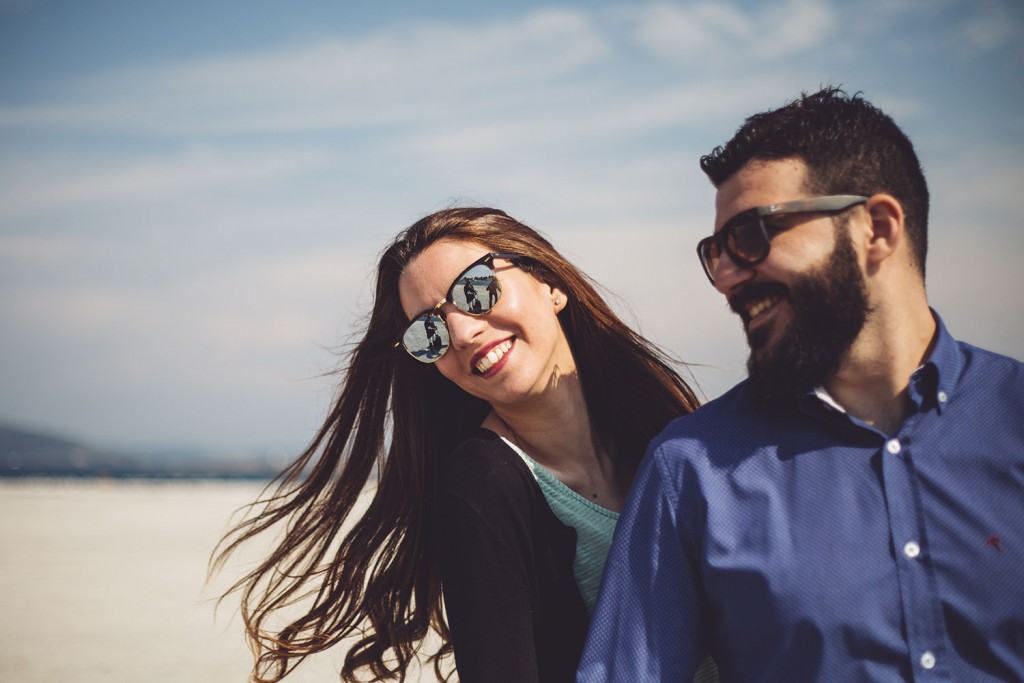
(754, 219)
(485, 260)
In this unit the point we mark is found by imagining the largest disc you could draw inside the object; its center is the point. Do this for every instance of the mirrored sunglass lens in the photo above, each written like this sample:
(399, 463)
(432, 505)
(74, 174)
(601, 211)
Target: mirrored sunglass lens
(748, 241)
(476, 290)
(426, 339)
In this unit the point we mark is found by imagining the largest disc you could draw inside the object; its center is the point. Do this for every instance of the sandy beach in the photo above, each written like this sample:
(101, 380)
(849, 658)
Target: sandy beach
(105, 582)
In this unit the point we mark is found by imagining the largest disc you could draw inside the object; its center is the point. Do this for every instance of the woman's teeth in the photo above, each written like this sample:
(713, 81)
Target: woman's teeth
(493, 356)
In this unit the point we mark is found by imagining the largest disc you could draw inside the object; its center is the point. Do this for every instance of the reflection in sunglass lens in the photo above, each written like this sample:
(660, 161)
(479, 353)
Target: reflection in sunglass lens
(476, 290)
(426, 339)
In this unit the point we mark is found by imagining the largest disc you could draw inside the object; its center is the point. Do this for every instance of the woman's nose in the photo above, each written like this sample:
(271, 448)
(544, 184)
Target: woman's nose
(463, 327)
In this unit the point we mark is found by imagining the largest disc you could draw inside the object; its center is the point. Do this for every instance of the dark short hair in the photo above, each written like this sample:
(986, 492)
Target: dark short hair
(849, 146)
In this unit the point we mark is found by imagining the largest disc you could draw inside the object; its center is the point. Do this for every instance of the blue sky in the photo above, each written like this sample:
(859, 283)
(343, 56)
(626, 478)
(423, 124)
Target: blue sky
(193, 195)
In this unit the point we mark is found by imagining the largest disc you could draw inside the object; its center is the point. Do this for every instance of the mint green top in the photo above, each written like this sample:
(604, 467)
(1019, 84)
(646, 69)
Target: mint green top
(594, 527)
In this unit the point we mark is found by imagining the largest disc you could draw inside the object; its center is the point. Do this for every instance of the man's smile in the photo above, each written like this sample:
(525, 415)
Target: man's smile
(757, 299)
(756, 308)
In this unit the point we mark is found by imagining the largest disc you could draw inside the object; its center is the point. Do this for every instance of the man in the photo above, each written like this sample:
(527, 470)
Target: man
(854, 510)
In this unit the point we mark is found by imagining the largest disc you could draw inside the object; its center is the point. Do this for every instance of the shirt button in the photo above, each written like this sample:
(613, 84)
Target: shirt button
(928, 660)
(912, 550)
(893, 446)
(943, 397)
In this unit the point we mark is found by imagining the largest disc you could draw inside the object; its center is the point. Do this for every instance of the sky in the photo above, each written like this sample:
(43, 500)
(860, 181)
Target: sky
(193, 195)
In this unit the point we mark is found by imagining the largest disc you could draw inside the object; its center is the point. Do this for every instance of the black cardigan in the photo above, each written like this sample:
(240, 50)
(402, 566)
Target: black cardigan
(513, 606)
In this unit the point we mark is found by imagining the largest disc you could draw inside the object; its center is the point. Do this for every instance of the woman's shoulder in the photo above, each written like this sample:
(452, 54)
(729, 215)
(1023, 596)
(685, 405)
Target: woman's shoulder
(484, 467)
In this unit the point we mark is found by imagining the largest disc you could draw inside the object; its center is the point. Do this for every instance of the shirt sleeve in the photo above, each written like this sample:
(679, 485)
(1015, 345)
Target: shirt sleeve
(647, 623)
(486, 546)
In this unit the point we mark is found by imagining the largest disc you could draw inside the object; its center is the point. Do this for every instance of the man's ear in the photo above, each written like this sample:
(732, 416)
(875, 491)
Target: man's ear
(886, 230)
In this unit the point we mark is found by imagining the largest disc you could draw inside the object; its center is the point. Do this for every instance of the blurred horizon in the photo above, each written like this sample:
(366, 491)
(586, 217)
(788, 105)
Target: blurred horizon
(193, 196)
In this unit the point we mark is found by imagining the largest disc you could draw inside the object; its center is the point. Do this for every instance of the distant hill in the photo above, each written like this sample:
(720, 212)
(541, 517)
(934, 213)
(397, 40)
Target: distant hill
(32, 454)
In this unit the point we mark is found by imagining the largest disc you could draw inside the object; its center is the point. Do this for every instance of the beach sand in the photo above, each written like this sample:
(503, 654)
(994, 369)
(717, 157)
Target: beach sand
(105, 582)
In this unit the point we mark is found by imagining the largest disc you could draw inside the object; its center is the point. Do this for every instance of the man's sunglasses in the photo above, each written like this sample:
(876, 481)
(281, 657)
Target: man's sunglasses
(746, 237)
(475, 291)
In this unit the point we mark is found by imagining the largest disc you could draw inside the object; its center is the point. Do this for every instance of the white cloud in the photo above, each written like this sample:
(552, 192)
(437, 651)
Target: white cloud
(562, 137)
(397, 75)
(253, 303)
(46, 184)
(706, 33)
(677, 31)
(992, 25)
(795, 28)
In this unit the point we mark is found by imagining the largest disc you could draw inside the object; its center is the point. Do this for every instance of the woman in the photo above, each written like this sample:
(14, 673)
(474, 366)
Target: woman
(489, 427)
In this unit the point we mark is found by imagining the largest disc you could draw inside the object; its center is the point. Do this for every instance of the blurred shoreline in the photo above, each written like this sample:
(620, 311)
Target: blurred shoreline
(25, 453)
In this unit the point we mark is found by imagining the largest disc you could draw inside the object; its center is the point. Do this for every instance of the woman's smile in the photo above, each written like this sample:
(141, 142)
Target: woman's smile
(488, 362)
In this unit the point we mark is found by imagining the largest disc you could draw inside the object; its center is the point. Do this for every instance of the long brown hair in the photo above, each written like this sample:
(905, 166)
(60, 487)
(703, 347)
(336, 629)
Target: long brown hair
(377, 579)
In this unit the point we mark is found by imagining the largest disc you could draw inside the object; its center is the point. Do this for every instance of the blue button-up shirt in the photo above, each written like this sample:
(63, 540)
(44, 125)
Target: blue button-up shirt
(794, 542)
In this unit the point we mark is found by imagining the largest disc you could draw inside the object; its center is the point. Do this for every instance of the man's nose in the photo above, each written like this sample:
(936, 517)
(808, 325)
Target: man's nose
(728, 274)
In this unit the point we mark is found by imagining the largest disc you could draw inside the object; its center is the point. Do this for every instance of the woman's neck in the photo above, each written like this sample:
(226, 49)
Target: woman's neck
(558, 434)
(554, 428)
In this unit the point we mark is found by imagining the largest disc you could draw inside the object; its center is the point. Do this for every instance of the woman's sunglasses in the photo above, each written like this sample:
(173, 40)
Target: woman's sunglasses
(475, 291)
(746, 237)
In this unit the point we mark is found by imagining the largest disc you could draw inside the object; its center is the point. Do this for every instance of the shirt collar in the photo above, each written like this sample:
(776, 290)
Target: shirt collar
(931, 384)
(944, 364)
(822, 395)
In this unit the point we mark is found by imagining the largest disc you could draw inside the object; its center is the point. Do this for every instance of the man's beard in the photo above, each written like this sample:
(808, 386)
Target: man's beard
(830, 306)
